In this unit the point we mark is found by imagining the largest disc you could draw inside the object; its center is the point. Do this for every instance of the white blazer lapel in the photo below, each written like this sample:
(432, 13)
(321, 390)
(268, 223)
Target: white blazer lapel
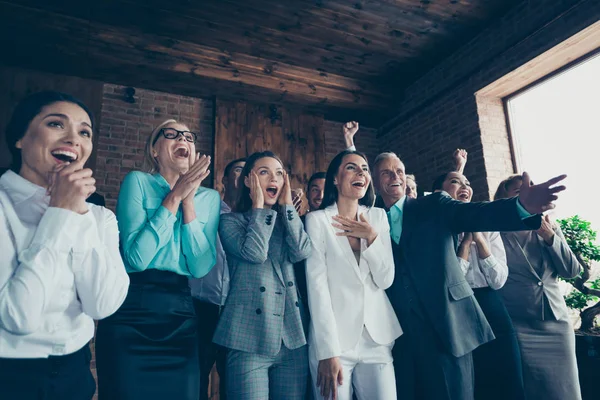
(342, 241)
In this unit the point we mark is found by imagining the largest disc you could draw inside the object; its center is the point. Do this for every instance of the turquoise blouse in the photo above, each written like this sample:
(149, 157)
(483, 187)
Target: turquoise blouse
(152, 237)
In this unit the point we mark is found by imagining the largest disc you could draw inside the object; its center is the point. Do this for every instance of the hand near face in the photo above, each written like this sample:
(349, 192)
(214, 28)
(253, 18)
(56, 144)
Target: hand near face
(70, 185)
(256, 192)
(537, 199)
(186, 186)
(360, 229)
(197, 172)
(286, 192)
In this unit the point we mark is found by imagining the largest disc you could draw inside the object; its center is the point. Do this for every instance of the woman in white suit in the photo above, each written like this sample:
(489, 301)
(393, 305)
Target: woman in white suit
(353, 325)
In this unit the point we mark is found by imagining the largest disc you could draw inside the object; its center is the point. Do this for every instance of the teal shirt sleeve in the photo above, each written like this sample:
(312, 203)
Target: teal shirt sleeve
(142, 234)
(523, 213)
(199, 237)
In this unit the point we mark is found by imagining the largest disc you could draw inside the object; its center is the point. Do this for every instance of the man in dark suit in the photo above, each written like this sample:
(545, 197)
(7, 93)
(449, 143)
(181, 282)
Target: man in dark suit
(441, 319)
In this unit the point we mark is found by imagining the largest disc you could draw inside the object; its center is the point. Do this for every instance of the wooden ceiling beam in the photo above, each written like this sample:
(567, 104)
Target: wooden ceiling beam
(101, 50)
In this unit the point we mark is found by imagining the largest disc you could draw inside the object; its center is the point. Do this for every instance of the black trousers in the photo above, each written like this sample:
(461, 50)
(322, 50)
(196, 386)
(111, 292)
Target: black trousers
(209, 353)
(498, 368)
(148, 349)
(55, 378)
(424, 369)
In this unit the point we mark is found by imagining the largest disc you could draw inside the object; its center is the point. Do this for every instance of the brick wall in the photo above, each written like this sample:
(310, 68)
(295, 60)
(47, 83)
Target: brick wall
(440, 111)
(365, 140)
(125, 127)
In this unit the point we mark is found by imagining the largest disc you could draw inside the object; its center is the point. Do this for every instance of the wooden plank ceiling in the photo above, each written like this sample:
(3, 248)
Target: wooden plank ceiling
(334, 56)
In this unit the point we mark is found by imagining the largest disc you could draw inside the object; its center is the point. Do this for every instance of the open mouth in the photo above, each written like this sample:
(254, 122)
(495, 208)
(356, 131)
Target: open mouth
(182, 152)
(358, 184)
(64, 156)
(463, 196)
(272, 191)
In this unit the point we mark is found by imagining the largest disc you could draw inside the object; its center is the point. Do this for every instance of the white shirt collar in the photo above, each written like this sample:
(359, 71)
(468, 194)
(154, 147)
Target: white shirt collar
(29, 200)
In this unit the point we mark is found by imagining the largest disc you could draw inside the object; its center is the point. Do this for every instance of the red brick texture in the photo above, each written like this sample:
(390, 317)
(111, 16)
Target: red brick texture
(440, 111)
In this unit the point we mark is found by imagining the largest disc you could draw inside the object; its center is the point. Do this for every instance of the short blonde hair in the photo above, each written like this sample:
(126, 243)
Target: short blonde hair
(150, 163)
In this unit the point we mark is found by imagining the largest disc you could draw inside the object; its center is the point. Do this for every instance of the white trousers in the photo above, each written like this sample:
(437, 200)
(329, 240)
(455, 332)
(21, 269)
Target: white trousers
(368, 370)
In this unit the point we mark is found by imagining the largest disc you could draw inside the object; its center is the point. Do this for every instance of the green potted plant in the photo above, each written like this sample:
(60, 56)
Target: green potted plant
(586, 299)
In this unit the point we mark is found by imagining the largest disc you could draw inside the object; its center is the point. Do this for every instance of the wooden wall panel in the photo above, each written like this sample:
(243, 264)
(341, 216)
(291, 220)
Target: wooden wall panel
(15, 84)
(243, 128)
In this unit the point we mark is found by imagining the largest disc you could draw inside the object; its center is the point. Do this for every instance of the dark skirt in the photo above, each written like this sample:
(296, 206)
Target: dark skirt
(497, 364)
(148, 349)
(65, 377)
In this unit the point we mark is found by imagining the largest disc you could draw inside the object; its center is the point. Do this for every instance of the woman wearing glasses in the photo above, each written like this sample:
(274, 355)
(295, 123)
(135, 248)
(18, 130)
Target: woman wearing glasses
(168, 229)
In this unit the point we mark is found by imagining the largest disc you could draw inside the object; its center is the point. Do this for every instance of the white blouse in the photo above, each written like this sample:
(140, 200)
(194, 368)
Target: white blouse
(483, 272)
(59, 270)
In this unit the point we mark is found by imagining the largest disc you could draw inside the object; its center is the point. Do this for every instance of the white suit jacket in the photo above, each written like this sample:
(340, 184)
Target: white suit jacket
(344, 296)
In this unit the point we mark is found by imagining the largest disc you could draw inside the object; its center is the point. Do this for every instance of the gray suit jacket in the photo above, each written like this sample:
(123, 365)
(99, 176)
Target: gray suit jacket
(428, 253)
(262, 309)
(534, 268)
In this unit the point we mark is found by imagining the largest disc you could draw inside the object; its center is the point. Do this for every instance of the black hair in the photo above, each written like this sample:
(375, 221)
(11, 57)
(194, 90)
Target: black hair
(244, 202)
(438, 183)
(315, 176)
(26, 111)
(331, 193)
(231, 164)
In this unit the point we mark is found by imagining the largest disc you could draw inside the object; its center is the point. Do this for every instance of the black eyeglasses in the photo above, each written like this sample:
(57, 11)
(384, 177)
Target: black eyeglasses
(170, 133)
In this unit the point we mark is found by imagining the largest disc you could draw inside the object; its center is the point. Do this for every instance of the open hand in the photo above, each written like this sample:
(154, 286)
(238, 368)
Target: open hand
(256, 192)
(297, 195)
(539, 198)
(285, 198)
(358, 229)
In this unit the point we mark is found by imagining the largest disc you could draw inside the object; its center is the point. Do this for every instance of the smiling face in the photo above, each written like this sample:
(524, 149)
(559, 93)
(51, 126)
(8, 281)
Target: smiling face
(391, 180)
(353, 178)
(270, 175)
(315, 193)
(458, 187)
(411, 187)
(173, 154)
(60, 133)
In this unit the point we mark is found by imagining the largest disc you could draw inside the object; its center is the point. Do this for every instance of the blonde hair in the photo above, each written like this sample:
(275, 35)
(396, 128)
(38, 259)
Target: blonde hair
(150, 163)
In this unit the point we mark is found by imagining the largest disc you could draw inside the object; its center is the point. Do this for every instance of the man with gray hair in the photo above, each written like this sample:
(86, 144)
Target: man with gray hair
(441, 319)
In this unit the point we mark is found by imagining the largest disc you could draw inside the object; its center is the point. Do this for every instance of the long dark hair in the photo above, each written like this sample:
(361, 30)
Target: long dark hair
(331, 193)
(244, 201)
(26, 111)
(502, 191)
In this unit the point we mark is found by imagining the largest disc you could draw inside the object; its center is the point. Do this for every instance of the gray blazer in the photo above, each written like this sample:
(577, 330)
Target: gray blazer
(534, 268)
(262, 309)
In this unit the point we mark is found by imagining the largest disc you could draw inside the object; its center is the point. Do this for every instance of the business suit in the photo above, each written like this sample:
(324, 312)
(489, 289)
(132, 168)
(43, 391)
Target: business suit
(262, 311)
(535, 303)
(349, 305)
(442, 321)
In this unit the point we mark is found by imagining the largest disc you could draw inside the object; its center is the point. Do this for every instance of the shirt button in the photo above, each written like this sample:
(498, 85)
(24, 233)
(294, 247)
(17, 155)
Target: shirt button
(540, 283)
(258, 311)
(297, 304)
(262, 289)
(290, 283)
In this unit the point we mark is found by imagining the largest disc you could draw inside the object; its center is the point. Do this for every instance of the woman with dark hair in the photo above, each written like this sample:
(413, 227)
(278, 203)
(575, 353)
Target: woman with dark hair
(262, 322)
(536, 259)
(60, 267)
(481, 255)
(353, 325)
(168, 226)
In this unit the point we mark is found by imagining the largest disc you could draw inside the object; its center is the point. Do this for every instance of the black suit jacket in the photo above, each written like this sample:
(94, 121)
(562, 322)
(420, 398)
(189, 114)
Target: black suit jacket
(428, 252)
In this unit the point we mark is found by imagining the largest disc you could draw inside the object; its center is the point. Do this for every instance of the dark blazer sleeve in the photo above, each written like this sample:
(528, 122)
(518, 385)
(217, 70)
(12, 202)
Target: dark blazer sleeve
(488, 216)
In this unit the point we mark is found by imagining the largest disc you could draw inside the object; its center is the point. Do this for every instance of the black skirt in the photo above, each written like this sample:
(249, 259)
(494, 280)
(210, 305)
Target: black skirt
(497, 364)
(148, 349)
(65, 377)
